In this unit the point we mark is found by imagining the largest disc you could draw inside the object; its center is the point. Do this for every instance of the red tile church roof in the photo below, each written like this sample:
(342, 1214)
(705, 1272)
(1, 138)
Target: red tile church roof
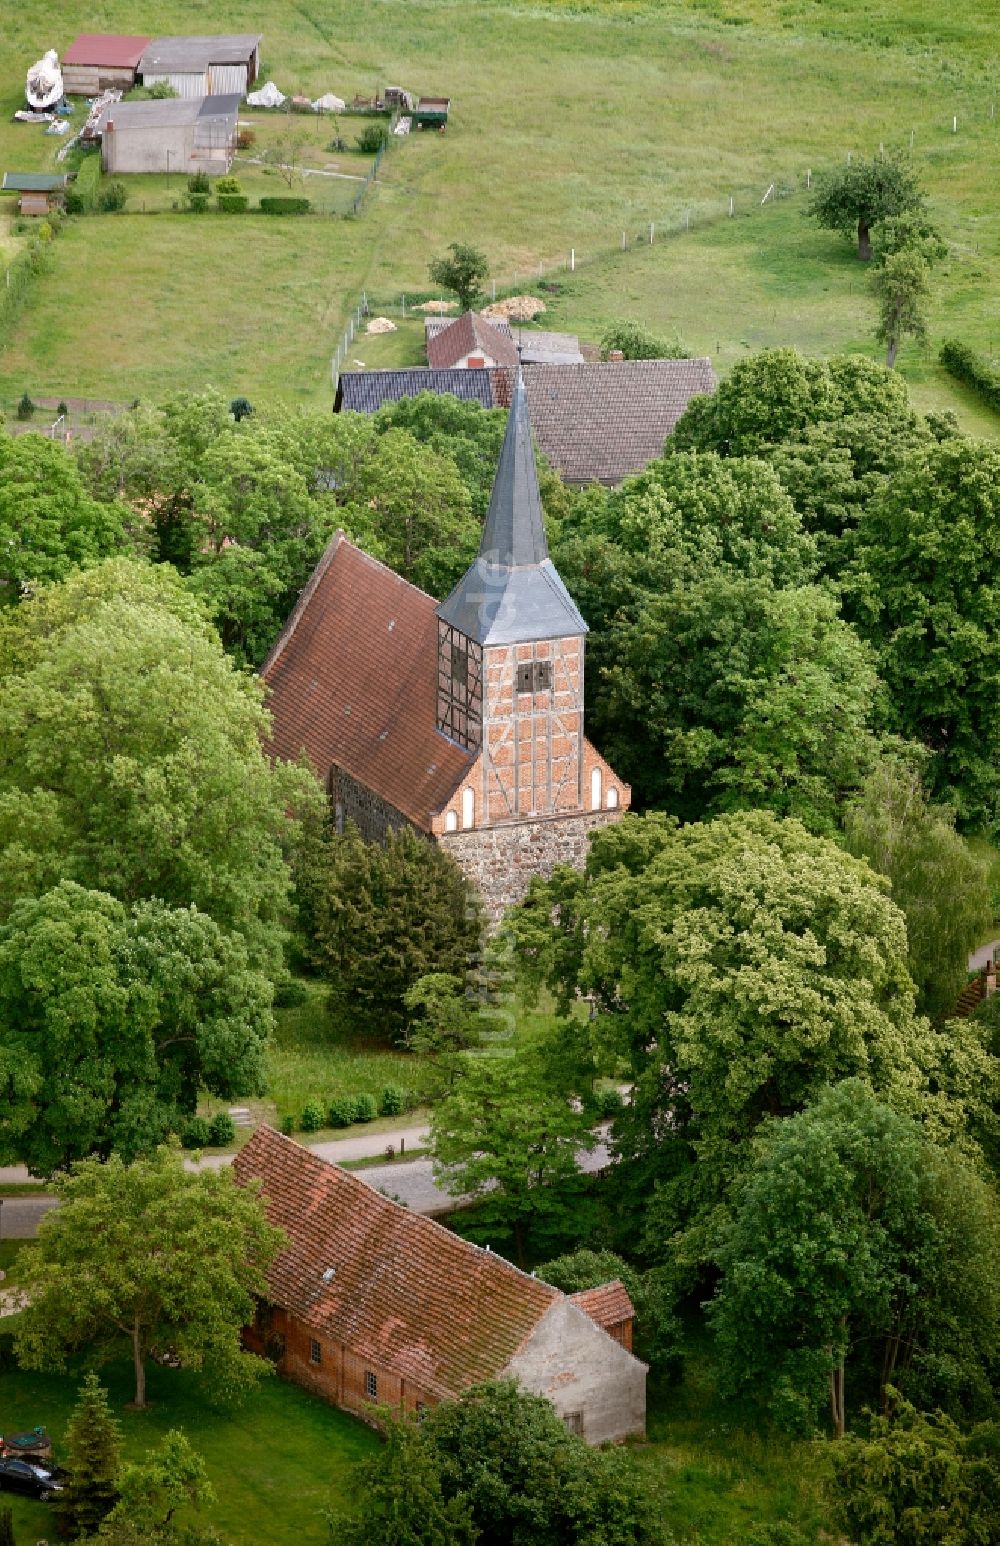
(353, 682)
(392, 1286)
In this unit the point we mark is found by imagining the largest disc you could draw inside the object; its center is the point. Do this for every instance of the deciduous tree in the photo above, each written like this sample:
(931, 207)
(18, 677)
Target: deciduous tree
(111, 1021)
(154, 1255)
(462, 272)
(863, 193)
(49, 524)
(901, 286)
(158, 1495)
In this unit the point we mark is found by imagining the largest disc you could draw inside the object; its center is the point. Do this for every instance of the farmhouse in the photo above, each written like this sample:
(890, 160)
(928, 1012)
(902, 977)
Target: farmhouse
(101, 61)
(534, 346)
(203, 66)
(470, 341)
(371, 1304)
(173, 135)
(599, 422)
(462, 719)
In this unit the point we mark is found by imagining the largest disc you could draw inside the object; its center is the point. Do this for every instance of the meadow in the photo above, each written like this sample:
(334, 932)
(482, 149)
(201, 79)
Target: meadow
(571, 123)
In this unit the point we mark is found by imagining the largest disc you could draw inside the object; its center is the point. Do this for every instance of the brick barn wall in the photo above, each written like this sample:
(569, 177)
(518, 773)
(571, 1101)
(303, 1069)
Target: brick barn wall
(339, 1377)
(501, 860)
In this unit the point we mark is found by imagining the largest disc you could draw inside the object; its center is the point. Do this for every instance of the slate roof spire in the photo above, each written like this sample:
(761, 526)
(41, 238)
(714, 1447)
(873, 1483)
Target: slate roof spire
(513, 593)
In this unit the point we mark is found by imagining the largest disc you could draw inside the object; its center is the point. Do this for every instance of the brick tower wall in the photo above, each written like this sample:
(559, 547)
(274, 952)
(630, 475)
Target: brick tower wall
(533, 740)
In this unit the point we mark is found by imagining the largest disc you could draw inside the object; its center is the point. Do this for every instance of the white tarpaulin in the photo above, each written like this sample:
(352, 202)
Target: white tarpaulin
(44, 87)
(267, 96)
(329, 104)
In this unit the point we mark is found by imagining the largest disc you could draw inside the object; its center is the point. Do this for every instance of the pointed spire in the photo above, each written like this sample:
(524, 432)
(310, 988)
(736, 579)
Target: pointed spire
(514, 531)
(512, 592)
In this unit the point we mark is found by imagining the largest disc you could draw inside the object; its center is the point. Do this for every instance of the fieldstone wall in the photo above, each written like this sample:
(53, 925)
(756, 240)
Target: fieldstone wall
(374, 817)
(501, 860)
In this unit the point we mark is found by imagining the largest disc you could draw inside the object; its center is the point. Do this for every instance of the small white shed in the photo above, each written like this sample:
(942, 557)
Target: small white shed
(172, 135)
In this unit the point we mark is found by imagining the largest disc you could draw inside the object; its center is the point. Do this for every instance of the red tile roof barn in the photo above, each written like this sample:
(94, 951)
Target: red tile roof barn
(470, 334)
(354, 683)
(394, 1287)
(608, 1304)
(112, 49)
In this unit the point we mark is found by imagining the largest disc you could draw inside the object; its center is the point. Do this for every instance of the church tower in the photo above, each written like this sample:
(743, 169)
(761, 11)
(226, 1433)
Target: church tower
(511, 659)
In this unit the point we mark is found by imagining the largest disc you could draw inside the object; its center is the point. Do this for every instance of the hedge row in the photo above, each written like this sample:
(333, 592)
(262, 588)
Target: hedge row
(971, 368)
(202, 1132)
(348, 1109)
(238, 203)
(232, 203)
(284, 206)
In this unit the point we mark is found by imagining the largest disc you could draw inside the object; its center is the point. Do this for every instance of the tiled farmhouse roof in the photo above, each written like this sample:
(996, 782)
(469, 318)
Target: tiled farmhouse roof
(603, 422)
(435, 325)
(394, 1287)
(598, 422)
(609, 1304)
(114, 50)
(365, 391)
(353, 682)
(470, 334)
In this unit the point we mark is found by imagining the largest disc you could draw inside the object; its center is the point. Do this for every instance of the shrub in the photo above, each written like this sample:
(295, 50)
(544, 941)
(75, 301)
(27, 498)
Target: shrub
(221, 1130)
(198, 183)
(198, 202)
(82, 196)
(290, 993)
(638, 343)
(373, 138)
(25, 407)
(112, 198)
(971, 368)
(392, 1101)
(232, 203)
(284, 206)
(313, 1116)
(245, 138)
(341, 1113)
(241, 408)
(45, 231)
(365, 1108)
(62, 410)
(228, 185)
(197, 1133)
(288, 1125)
(160, 91)
(609, 1103)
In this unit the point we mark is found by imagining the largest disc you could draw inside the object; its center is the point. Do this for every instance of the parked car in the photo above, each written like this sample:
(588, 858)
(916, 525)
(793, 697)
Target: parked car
(36, 1478)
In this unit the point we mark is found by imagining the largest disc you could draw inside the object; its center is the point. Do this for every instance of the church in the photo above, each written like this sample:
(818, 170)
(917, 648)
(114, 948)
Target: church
(463, 718)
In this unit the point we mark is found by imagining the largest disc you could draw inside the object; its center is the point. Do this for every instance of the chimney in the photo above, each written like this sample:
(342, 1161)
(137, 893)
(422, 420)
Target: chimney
(615, 355)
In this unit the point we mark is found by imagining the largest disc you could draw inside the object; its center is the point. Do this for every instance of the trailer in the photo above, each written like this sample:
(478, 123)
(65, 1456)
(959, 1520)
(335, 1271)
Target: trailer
(432, 113)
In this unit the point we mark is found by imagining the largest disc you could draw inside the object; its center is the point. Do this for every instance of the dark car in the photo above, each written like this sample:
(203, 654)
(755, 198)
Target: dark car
(36, 1478)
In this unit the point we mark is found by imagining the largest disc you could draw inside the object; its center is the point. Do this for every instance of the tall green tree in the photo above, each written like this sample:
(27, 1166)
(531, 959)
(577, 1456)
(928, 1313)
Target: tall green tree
(901, 287)
(510, 1135)
(152, 1255)
(659, 1335)
(462, 270)
(93, 1462)
(382, 916)
(158, 1496)
(739, 965)
(400, 1500)
(112, 1020)
(863, 193)
(929, 555)
(131, 758)
(941, 884)
(49, 524)
(843, 1244)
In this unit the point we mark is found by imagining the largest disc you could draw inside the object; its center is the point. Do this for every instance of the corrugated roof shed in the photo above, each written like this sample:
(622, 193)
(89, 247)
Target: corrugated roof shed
(392, 1286)
(114, 50)
(33, 182)
(161, 113)
(188, 55)
(365, 391)
(353, 682)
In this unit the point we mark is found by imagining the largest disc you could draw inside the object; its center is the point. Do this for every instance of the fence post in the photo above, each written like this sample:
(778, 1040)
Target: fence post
(732, 206)
(809, 178)
(652, 228)
(623, 241)
(687, 220)
(572, 260)
(954, 124)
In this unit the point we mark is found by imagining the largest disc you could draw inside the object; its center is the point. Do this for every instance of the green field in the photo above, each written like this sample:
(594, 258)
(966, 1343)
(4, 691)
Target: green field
(571, 123)
(274, 1462)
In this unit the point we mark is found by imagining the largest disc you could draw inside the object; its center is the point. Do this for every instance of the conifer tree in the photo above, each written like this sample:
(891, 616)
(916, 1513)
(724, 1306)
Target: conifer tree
(6, 1527)
(93, 1442)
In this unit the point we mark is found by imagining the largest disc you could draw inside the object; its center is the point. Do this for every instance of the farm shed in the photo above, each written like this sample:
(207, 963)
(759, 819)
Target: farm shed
(203, 66)
(369, 1304)
(38, 191)
(98, 61)
(470, 341)
(174, 135)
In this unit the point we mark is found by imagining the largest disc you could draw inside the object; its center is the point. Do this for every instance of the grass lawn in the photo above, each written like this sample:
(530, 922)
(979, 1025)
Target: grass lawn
(718, 1478)
(590, 117)
(274, 1462)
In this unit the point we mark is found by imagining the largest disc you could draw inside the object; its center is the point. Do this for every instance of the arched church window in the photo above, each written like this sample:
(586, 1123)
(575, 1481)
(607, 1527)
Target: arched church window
(451, 821)
(612, 799)
(595, 789)
(468, 808)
